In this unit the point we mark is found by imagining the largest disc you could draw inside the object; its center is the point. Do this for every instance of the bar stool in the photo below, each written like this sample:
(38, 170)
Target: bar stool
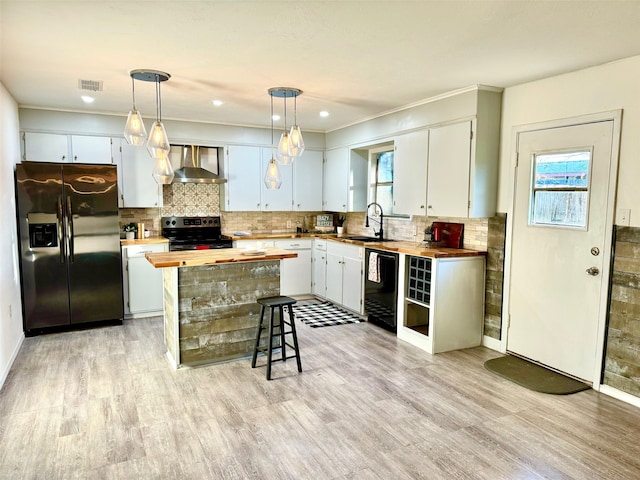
(278, 302)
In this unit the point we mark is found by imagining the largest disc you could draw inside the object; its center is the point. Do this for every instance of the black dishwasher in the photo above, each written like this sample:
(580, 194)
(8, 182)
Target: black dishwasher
(381, 287)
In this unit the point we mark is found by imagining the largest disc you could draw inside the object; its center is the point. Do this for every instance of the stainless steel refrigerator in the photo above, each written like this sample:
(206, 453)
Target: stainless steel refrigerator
(70, 263)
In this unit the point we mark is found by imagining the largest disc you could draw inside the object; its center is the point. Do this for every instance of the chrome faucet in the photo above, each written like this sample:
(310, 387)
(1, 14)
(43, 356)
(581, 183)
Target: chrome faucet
(366, 223)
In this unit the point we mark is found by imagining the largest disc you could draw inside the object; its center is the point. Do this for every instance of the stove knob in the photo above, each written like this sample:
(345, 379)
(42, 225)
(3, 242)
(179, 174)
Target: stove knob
(210, 221)
(173, 222)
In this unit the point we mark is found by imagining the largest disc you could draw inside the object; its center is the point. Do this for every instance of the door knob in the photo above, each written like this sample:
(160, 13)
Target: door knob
(593, 271)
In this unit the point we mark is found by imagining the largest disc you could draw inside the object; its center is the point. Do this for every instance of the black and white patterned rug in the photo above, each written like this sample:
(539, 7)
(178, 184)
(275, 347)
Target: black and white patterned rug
(323, 314)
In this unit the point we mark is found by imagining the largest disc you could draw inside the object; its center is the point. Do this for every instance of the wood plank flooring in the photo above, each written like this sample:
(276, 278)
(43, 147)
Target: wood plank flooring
(104, 403)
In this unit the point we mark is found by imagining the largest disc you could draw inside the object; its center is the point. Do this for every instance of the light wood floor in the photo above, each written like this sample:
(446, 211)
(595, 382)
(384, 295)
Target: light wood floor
(104, 403)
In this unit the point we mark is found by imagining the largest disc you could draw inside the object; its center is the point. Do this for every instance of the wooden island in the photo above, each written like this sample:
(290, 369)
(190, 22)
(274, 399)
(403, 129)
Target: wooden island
(210, 309)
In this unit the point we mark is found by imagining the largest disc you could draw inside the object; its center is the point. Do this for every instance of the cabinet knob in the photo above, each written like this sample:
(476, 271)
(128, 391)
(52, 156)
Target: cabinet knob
(75, 158)
(429, 206)
(421, 206)
(63, 157)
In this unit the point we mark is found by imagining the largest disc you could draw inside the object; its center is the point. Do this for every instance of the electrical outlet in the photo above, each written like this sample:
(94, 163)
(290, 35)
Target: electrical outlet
(288, 223)
(623, 217)
(10, 314)
(415, 230)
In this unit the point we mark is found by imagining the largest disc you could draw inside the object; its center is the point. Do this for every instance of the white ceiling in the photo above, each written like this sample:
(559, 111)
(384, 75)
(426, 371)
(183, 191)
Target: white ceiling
(355, 59)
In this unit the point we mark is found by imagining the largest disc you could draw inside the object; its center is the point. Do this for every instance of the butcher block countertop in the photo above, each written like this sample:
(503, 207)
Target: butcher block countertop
(196, 258)
(417, 248)
(143, 241)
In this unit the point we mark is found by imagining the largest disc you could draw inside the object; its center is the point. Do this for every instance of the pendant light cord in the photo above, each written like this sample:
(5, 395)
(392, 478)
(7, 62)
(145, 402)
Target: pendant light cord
(158, 100)
(133, 91)
(271, 125)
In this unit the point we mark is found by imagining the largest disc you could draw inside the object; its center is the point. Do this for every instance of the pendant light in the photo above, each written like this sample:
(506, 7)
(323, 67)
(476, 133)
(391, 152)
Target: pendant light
(163, 171)
(134, 131)
(296, 142)
(158, 140)
(272, 178)
(285, 153)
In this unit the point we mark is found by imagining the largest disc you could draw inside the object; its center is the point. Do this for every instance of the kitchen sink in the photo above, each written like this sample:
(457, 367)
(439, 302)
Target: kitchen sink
(362, 238)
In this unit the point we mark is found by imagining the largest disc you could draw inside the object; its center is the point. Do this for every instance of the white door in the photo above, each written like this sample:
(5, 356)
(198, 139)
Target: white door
(243, 178)
(352, 284)
(334, 273)
(558, 244)
(307, 182)
(280, 199)
(336, 178)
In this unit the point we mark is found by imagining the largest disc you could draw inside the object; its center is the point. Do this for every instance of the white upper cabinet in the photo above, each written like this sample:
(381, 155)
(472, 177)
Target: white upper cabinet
(243, 173)
(345, 181)
(86, 149)
(410, 173)
(307, 182)
(53, 147)
(462, 179)
(277, 200)
(449, 169)
(139, 188)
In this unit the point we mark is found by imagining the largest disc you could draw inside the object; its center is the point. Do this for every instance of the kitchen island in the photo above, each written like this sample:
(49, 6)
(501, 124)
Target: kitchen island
(210, 309)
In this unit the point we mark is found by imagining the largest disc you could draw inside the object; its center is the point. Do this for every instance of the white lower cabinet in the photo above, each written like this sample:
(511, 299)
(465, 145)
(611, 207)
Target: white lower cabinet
(142, 283)
(442, 307)
(295, 273)
(344, 274)
(319, 268)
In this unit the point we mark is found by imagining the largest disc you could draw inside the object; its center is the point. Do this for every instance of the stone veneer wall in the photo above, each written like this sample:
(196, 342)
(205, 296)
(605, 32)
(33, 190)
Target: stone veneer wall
(494, 276)
(622, 355)
(218, 313)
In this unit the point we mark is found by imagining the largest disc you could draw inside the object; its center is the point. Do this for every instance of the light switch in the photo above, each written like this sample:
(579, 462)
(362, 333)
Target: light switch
(623, 216)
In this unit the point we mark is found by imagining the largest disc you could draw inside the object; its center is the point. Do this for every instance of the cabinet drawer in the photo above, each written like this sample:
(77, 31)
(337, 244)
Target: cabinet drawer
(320, 244)
(132, 251)
(345, 250)
(294, 244)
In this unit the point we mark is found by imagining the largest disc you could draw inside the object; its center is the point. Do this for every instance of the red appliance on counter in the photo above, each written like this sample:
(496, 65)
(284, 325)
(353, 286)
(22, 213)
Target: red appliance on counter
(447, 234)
(194, 233)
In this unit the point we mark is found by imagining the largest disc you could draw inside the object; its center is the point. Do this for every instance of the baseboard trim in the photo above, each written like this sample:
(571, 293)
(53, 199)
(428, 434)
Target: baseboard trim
(5, 374)
(620, 395)
(492, 343)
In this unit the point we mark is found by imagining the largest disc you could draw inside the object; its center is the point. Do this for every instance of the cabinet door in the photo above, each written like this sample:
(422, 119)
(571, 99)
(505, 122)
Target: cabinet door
(448, 170)
(410, 173)
(336, 180)
(307, 182)
(46, 147)
(319, 267)
(116, 155)
(281, 199)
(334, 274)
(352, 284)
(295, 274)
(139, 188)
(242, 190)
(145, 286)
(87, 149)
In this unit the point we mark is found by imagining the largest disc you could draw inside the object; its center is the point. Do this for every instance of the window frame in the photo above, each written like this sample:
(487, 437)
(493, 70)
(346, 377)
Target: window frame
(533, 189)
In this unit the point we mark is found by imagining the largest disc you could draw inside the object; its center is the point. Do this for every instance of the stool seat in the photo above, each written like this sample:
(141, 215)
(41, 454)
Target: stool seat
(276, 331)
(276, 301)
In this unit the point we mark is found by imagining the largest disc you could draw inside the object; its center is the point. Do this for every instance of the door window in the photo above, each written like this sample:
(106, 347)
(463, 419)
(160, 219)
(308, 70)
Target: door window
(560, 188)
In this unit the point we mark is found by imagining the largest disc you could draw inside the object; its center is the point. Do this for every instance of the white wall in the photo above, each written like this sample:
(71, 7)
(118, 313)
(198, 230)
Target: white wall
(11, 335)
(597, 89)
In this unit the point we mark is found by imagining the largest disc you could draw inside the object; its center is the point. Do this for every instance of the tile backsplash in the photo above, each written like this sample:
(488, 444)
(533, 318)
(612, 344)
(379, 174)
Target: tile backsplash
(190, 200)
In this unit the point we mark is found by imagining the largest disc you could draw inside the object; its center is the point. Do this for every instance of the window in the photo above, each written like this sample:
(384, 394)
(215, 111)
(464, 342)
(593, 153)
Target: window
(383, 181)
(560, 193)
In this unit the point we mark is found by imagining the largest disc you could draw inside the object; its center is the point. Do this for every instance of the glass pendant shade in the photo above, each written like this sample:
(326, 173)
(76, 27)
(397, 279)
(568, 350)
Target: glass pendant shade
(296, 143)
(158, 142)
(283, 155)
(134, 131)
(272, 178)
(163, 171)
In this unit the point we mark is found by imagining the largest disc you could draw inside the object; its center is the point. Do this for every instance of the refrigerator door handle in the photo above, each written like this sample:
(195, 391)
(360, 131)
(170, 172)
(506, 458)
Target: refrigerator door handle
(70, 230)
(61, 230)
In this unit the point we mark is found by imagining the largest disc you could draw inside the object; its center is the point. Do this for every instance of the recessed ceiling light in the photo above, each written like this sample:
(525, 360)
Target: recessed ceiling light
(87, 99)
(324, 113)
(217, 103)
(276, 117)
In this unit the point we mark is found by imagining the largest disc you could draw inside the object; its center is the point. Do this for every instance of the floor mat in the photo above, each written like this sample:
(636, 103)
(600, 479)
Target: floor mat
(323, 314)
(534, 377)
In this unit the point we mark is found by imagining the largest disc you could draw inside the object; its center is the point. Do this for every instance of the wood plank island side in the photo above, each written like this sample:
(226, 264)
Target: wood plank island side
(210, 309)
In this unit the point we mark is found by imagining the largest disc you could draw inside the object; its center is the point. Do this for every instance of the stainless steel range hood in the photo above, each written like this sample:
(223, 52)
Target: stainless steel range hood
(191, 171)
